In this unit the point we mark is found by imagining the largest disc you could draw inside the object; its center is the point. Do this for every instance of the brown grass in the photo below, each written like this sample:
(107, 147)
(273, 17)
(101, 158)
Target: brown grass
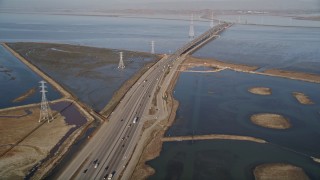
(13, 129)
(260, 91)
(309, 77)
(279, 171)
(218, 64)
(213, 136)
(294, 75)
(273, 121)
(302, 98)
(29, 147)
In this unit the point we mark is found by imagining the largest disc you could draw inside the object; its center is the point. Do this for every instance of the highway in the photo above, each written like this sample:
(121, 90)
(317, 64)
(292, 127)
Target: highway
(110, 149)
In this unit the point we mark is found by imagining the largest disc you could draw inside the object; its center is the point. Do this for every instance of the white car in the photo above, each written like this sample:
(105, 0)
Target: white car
(96, 165)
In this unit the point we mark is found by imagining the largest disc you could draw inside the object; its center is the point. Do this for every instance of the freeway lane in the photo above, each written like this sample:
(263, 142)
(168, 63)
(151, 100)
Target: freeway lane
(108, 142)
(110, 149)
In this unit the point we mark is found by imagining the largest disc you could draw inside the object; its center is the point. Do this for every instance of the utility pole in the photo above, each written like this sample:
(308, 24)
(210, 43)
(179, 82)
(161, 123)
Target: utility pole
(45, 111)
(211, 23)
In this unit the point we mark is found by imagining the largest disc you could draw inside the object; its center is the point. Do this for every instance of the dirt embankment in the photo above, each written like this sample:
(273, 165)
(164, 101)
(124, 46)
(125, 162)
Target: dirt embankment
(260, 91)
(293, 75)
(279, 171)
(274, 121)
(302, 98)
(154, 143)
(213, 136)
(315, 78)
(194, 62)
(24, 96)
(310, 18)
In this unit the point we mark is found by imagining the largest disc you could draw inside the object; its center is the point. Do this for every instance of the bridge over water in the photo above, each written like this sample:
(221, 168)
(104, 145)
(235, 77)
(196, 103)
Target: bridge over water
(199, 41)
(111, 149)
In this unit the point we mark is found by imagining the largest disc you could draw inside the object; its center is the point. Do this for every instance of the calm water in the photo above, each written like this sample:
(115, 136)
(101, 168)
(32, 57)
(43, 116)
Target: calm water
(97, 86)
(222, 159)
(16, 79)
(110, 32)
(219, 103)
(270, 20)
(287, 48)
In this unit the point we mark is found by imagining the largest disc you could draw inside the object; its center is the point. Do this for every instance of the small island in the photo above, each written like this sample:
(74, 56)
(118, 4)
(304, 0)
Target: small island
(302, 98)
(273, 121)
(260, 91)
(279, 171)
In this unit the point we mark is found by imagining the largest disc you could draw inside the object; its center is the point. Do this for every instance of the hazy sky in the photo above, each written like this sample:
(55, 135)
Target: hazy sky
(172, 4)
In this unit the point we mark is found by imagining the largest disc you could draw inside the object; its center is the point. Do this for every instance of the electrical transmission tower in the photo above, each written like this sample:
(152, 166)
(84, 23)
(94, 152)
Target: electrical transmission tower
(211, 23)
(45, 111)
(191, 30)
(121, 64)
(152, 47)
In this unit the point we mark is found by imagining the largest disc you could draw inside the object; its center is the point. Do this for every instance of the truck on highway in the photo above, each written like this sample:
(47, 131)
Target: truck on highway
(135, 120)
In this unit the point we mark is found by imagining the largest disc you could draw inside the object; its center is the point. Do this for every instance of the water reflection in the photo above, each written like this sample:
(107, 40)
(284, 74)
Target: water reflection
(223, 159)
(16, 79)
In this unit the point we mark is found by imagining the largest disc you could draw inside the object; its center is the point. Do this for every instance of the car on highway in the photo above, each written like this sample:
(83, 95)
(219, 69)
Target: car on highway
(111, 175)
(85, 170)
(96, 165)
(95, 161)
(135, 120)
(105, 176)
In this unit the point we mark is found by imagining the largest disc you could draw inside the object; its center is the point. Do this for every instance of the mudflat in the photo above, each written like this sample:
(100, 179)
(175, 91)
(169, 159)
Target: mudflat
(273, 121)
(260, 91)
(279, 171)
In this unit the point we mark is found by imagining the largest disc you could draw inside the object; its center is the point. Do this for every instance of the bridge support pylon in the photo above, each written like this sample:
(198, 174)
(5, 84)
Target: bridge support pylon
(191, 29)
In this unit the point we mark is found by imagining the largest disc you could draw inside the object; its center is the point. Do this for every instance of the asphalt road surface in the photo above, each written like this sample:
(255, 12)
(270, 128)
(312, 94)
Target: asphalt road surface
(110, 149)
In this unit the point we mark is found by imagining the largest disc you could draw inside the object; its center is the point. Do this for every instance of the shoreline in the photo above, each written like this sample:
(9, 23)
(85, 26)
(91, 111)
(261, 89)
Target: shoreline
(48, 165)
(271, 121)
(153, 145)
(302, 98)
(212, 137)
(294, 75)
(283, 171)
(154, 142)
